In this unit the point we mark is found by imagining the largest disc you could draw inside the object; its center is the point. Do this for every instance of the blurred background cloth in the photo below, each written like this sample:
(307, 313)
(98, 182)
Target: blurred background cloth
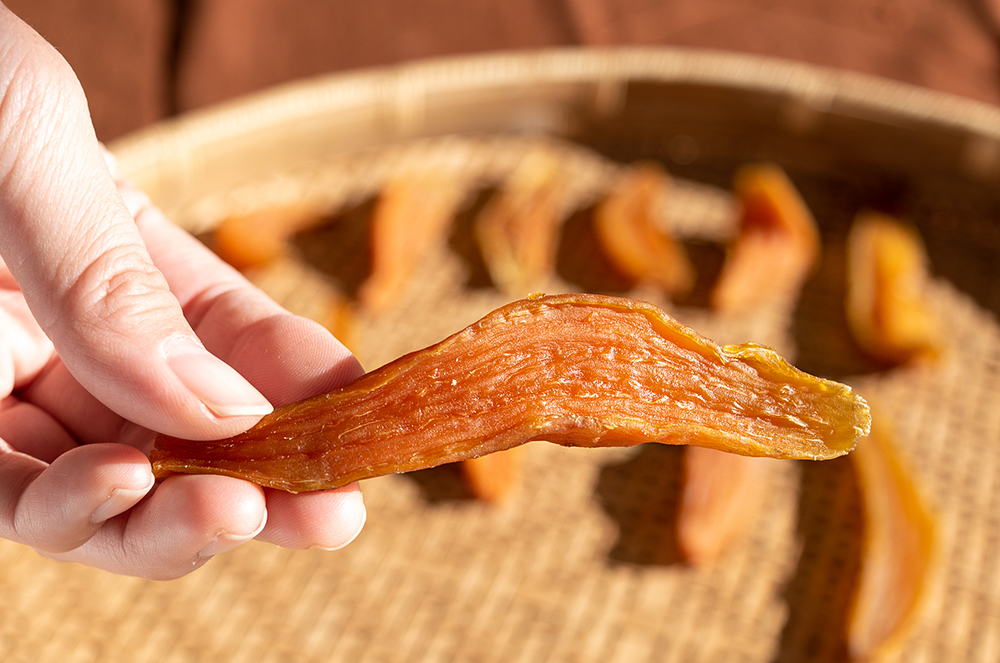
(142, 60)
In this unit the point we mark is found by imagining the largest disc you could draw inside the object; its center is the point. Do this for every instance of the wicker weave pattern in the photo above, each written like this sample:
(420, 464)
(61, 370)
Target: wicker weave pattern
(581, 565)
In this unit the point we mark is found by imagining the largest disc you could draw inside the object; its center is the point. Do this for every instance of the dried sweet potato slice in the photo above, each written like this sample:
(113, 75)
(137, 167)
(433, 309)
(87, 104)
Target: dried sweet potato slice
(887, 306)
(258, 239)
(777, 244)
(577, 370)
(411, 216)
(518, 229)
(899, 553)
(627, 230)
(722, 495)
(493, 477)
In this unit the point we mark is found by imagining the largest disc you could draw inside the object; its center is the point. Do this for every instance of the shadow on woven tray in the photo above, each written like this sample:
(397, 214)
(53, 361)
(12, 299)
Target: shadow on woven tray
(641, 495)
(340, 247)
(582, 262)
(822, 338)
(441, 484)
(819, 592)
(463, 243)
(958, 222)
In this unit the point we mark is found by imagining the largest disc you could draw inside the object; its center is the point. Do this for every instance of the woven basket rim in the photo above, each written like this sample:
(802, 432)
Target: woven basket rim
(389, 86)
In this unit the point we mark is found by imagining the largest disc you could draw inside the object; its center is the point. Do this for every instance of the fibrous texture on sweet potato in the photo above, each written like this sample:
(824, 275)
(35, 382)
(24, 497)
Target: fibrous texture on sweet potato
(577, 370)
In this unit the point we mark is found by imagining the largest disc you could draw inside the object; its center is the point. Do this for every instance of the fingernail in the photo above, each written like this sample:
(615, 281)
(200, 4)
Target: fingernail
(227, 541)
(216, 384)
(120, 500)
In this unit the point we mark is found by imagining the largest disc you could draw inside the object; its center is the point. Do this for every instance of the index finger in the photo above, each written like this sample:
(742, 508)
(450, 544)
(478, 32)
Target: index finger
(81, 263)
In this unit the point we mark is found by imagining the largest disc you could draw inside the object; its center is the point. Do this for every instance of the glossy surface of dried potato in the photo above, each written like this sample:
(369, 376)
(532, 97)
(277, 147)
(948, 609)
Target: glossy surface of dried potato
(899, 555)
(887, 306)
(631, 236)
(777, 244)
(577, 370)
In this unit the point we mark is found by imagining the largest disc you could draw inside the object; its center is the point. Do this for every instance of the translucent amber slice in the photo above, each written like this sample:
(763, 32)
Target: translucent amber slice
(577, 370)
(260, 238)
(900, 551)
(887, 306)
(721, 498)
(518, 229)
(412, 215)
(777, 244)
(632, 238)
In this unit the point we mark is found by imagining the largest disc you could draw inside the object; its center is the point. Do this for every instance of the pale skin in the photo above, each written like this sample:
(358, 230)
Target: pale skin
(114, 324)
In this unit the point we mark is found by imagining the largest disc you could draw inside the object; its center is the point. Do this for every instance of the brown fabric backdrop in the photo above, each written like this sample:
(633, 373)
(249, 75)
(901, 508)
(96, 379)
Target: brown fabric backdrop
(141, 60)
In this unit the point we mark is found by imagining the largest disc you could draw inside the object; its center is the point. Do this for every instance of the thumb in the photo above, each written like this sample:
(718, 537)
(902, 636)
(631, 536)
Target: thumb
(81, 264)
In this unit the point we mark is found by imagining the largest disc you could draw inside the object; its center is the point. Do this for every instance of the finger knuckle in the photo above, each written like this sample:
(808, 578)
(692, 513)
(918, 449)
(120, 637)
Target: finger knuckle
(117, 289)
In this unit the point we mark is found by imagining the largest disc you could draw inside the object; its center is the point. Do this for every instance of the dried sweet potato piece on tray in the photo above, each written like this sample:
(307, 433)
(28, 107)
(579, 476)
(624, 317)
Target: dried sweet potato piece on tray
(721, 497)
(576, 370)
(492, 478)
(899, 554)
(411, 216)
(777, 244)
(260, 238)
(627, 230)
(518, 229)
(887, 306)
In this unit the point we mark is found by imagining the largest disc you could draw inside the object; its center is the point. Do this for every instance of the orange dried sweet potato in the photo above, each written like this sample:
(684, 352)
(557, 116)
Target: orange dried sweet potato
(577, 370)
(887, 276)
(492, 478)
(411, 217)
(777, 245)
(260, 238)
(899, 554)
(518, 228)
(627, 230)
(721, 497)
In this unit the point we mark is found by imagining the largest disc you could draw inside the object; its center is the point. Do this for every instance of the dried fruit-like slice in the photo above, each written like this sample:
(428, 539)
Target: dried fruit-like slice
(257, 239)
(577, 370)
(721, 498)
(411, 217)
(777, 245)
(627, 229)
(899, 555)
(887, 306)
(492, 478)
(518, 229)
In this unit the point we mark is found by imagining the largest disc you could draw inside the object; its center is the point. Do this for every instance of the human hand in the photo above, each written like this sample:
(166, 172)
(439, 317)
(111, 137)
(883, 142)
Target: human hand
(108, 315)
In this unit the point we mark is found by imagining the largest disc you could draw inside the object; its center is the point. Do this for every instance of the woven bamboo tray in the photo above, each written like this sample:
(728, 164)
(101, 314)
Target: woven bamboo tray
(581, 563)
